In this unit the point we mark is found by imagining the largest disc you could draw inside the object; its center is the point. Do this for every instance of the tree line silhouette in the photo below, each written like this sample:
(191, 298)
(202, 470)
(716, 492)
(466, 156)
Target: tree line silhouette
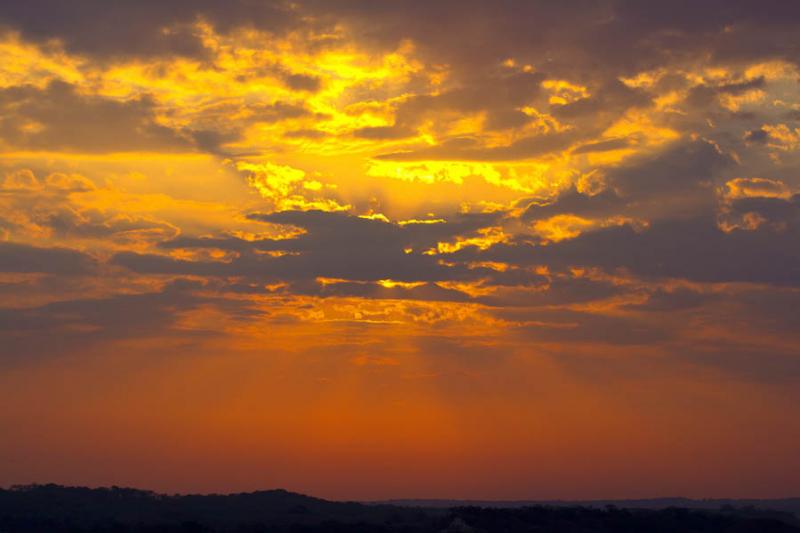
(53, 508)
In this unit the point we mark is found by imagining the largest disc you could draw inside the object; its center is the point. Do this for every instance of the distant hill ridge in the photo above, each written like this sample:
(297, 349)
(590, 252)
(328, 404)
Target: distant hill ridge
(57, 509)
(133, 505)
(790, 505)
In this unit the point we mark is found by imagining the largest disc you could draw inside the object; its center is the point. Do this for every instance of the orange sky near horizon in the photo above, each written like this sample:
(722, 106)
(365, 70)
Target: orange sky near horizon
(369, 250)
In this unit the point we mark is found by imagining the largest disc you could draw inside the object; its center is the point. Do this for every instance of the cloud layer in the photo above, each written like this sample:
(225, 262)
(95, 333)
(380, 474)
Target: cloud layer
(569, 221)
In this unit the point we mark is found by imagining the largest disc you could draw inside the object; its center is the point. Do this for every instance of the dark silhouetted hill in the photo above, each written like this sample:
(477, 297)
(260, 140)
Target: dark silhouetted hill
(53, 508)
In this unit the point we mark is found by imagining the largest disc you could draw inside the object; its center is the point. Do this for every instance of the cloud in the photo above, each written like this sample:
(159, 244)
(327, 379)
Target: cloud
(616, 36)
(17, 257)
(60, 208)
(59, 117)
(685, 168)
(512, 102)
(603, 146)
(333, 245)
(575, 327)
(60, 327)
(289, 188)
(571, 201)
(739, 188)
(470, 149)
(704, 95)
(130, 29)
(779, 215)
(678, 180)
(668, 301)
(694, 249)
(526, 289)
(633, 119)
(757, 135)
(612, 98)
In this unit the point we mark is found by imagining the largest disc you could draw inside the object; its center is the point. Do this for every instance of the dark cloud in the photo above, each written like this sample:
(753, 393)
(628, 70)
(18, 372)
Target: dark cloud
(616, 36)
(557, 290)
(212, 141)
(680, 180)
(580, 39)
(60, 327)
(219, 129)
(60, 117)
(306, 133)
(603, 204)
(758, 135)
(160, 264)
(694, 249)
(503, 119)
(778, 213)
(667, 301)
(94, 224)
(683, 168)
(381, 133)
(501, 97)
(612, 98)
(565, 325)
(334, 245)
(127, 314)
(293, 80)
(17, 257)
(705, 95)
(64, 119)
(360, 252)
(498, 94)
(424, 292)
(278, 111)
(129, 28)
(603, 146)
(793, 114)
(302, 82)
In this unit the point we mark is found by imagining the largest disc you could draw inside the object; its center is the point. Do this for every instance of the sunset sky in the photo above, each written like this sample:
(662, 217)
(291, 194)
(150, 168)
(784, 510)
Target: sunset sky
(368, 249)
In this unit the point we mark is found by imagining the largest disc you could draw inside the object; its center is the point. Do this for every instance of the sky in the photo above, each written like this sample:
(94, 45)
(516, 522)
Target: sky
(368, 249)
